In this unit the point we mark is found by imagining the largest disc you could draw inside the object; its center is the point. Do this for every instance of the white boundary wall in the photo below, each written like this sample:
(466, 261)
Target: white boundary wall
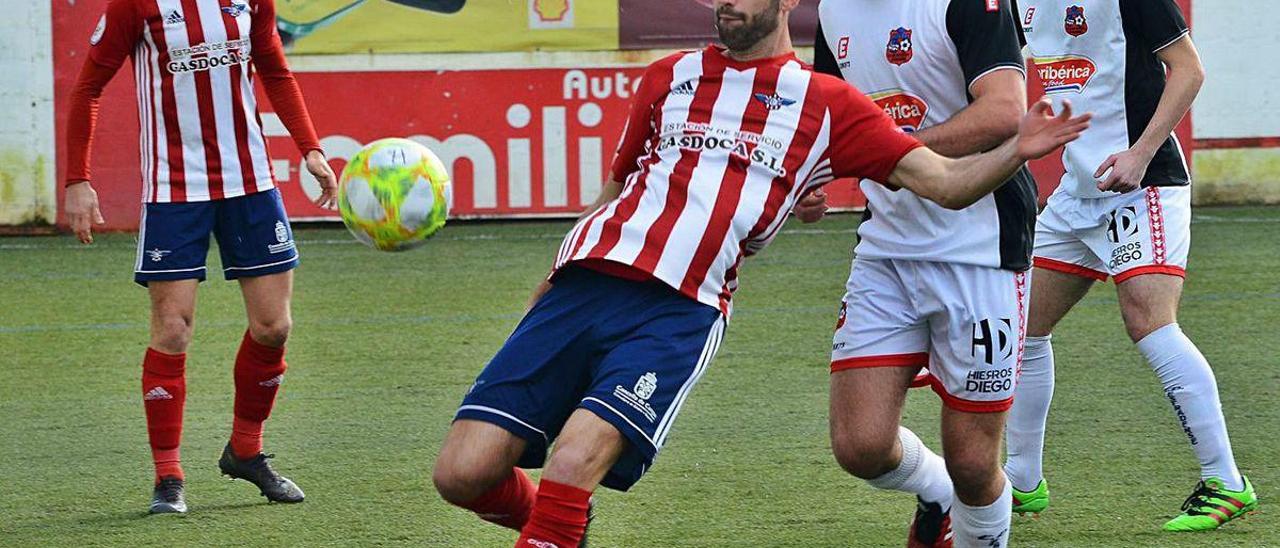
(1239, 41)
(27, 186)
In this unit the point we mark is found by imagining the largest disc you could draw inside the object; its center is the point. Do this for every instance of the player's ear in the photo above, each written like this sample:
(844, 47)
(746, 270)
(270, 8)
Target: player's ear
(789, 6)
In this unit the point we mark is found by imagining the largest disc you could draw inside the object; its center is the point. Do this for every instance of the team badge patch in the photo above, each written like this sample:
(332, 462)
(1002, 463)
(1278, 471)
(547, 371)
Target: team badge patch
(1076, 22)
(235, 9)
(899, 50)
(99, 31)
(775, 101)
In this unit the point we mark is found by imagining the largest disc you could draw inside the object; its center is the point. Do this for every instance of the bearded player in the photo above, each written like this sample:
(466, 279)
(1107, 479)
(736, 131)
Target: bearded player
(1123, 210)
(719, 145)
(205, 170)
(933, 290)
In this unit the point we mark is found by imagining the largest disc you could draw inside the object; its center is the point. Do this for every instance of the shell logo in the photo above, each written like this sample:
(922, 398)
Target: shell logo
(551, 10)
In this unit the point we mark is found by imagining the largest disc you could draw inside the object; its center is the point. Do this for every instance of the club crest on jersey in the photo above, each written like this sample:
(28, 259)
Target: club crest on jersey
(1065, 74)
(899, 50)
(1076, 22)
(775, 101)
(907, 110)
(235, 9)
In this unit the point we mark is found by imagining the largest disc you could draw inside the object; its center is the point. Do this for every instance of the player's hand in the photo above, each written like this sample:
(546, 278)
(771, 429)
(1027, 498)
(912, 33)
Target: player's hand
(1127, 171)
(1041, 132)
(81, 207)
(318, 165)
(812, 207)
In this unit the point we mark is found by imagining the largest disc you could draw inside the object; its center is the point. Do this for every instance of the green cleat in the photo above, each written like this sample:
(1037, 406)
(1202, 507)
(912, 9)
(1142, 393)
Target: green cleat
(1212, 505)
(1031, 502)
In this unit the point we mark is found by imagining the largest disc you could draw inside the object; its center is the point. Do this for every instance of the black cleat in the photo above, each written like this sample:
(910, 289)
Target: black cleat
(258, 471)
(591, 516)
(168, 497)
(931, 527)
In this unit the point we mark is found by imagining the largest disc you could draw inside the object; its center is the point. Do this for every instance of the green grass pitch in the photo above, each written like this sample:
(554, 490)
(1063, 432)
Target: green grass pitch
(385, 345)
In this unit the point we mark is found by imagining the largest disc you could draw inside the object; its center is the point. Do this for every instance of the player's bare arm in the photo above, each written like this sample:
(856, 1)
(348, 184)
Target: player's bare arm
(958, 183)
(999, 101)
(1186, 75)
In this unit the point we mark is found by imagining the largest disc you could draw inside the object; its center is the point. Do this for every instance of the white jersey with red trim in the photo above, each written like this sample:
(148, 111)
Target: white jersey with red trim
(201, 138)
(715, 154)
(1102, 55)
(919, 61)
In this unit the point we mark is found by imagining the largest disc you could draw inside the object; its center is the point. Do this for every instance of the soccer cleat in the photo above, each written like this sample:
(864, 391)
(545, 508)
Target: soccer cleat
(258, 471)
(1212, 504)
(591, 516)
(931, 527)
(168, 498)
(1031, 502)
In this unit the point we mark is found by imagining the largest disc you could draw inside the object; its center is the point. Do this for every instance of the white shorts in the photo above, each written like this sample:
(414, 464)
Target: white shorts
(1143, 232)
(965, 325)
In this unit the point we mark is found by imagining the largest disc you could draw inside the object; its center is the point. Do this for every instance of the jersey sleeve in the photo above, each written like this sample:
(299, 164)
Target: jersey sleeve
(116, 35)
(654, 84)
(824, 61)
(1159, 23)
(865, 142)
(987, 37)
(282, 89)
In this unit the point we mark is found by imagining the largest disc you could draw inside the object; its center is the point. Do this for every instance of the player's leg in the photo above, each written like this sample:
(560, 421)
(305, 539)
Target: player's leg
(257, 249)
(971, 447)
(476, 470)
(521, 400)
(977, 320)
(1065, 271)
(164, 386)
(586, 450)
(879, 346)
(657, 345)
(173, 240)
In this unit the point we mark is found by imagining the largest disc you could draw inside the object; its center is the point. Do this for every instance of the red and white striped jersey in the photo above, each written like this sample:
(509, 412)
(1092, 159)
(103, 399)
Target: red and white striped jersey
(715, 154)
(201, 135)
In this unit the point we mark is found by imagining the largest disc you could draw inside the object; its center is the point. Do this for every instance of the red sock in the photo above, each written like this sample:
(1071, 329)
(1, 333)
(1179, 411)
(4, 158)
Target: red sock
(559, 517)
(259, 372)
(508, 504)
(164, 392)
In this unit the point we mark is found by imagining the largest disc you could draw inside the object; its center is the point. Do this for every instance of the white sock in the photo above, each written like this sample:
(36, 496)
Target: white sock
(1024, 432)
(1190, 386)
(921, 472)
(983, 526)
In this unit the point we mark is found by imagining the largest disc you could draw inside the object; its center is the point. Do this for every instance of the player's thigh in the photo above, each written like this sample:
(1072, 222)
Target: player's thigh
(267, 306)
(475, 457)
(1053, 295)
(1149, 302)
(587, 448)
(865, 410)
(173, 311)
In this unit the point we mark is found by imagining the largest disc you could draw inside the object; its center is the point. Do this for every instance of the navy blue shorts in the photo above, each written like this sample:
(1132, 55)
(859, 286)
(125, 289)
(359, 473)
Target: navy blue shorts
(630, 352)
(254, 238)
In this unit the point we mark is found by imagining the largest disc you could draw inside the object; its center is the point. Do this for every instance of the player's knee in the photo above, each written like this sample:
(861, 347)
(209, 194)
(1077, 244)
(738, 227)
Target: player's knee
(866, 458)
(577, 463)
(1141, 319)
(458, 483)
(977, 477)
(274, 333)
(172, 333)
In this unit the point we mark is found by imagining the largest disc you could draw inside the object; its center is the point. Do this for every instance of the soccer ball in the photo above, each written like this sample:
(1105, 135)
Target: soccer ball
(394, 194)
